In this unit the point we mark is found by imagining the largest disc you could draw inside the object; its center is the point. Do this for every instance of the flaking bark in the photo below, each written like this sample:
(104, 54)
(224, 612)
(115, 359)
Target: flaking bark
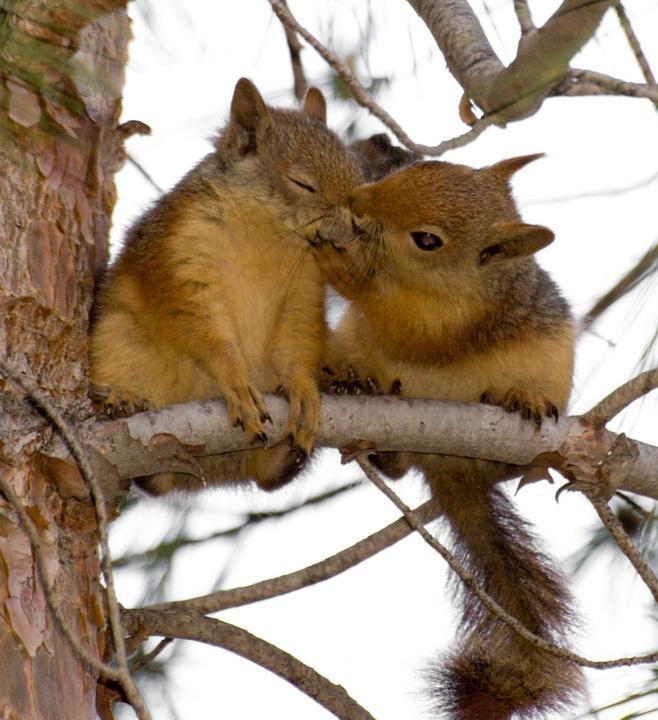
(61, 74)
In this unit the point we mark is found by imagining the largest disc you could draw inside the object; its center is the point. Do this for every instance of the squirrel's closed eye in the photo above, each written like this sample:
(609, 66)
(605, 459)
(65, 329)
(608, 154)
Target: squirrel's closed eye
(303, 185)
(426, 240)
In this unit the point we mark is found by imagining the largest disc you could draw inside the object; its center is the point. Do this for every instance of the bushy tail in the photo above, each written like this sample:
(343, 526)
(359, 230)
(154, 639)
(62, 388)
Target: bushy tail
(492, 673)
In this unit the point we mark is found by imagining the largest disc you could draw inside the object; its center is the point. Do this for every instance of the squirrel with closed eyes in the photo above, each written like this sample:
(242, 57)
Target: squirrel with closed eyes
(216, 293)
(446, 301)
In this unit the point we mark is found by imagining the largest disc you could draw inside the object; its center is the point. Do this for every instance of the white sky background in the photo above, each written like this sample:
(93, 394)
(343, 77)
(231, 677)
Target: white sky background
(372, 628)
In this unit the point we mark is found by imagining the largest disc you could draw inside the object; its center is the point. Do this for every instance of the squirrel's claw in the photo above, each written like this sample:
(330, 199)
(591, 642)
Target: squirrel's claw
(529, 404)
(355, 384)
(113, 404)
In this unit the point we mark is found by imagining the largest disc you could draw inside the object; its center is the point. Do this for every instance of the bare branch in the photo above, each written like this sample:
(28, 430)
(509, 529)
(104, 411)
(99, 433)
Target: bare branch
(164, 551)
(295, 48)
(523, 16)
(647, 264)
(318, 572)
(587, 82)
(365, 100)
(463, 42)
(193, 626)
(634, 42)
(596, 193)
(621, 398)
(625, 544)
(474, 586)
(540, 69)
(144, 173)
(152, 442)
(467, 578)
(151, 656)
(543, 57)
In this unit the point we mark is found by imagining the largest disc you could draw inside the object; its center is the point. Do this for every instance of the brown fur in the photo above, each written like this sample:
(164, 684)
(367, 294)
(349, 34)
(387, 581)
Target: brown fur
(475, 319)
(215, 292)
(378, 156)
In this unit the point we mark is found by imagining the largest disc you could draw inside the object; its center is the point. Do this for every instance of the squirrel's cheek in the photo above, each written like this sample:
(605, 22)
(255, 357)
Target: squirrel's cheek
(361, 200)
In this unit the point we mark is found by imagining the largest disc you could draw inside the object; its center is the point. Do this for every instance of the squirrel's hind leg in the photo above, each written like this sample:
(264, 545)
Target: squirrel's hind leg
(269, 468)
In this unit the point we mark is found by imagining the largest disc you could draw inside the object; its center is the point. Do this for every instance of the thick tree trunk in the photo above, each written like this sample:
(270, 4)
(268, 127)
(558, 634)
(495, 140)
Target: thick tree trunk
(62, 67)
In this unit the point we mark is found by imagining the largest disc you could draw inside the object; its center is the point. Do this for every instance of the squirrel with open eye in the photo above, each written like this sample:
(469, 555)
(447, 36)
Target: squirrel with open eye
(216, 293)
(446, 301)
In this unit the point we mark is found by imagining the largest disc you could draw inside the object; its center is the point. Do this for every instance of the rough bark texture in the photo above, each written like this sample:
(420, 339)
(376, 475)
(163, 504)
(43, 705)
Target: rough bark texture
(61, 74)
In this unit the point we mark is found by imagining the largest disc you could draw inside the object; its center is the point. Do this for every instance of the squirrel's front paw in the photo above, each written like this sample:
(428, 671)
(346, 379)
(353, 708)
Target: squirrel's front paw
(246, 408)
(304, 413)
(531, 405)
(116, 404)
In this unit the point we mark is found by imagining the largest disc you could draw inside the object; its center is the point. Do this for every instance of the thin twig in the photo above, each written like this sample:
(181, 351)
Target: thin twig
(646, 265)
(608, 192)
(644, 514)
(523, 16)
(64, 428)
(144, 173)
(473, 586)
(295, 48)
(140, 664)
(621, 398)
(166, 549)
(318, 572)
(625, 544)
(634, 42)
(193, 626)
(30, 530)
(365, 100)
(588, 82)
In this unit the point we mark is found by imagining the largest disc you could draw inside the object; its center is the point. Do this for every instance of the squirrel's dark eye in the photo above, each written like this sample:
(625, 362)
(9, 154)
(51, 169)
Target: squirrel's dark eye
(302, 185)
(426, 240)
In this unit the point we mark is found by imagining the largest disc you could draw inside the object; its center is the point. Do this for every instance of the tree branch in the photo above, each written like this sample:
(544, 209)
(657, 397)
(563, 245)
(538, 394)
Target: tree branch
(588, 82)
(542, 60)
(318, 572)
(523, 16)
(144, 173)
(540, 69)
(476, 588)
(625, 544)
(647, 264)
(153, 442)
(365, 100)
(165, 550)
(634, 42)
(193, 626)
(295, 48)
(621, 398)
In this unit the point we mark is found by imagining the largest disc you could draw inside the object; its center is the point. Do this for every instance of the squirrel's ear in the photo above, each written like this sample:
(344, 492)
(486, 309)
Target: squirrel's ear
(315, 105)
(514, 240)
(506, 168)
(381, 141)
(248, 120)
